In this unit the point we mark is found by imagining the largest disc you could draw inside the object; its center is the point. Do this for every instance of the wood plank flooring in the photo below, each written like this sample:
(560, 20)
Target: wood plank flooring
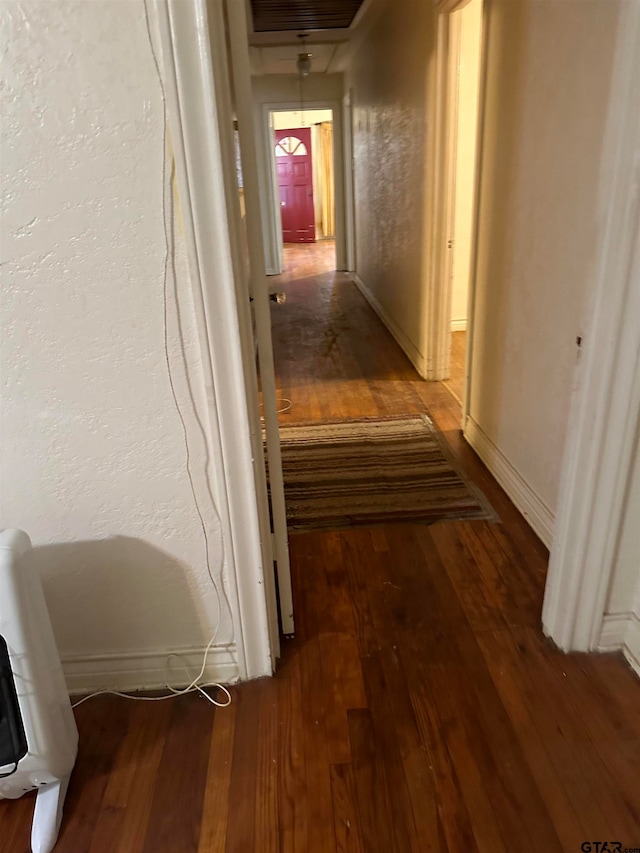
(418, 708)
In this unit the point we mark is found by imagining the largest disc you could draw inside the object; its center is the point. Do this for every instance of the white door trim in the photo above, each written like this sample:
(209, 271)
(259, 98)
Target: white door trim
(606, 402)
(262, 310)
(437, 341)
(349, 190)
(194, 116)
(269, 199)
(437, 334)
(471, 301)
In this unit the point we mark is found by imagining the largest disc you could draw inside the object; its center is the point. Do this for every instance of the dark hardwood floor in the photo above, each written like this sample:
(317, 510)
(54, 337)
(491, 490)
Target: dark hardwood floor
(419, 707)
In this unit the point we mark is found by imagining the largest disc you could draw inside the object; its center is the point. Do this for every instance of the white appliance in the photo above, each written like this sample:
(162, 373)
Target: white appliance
(38, 734)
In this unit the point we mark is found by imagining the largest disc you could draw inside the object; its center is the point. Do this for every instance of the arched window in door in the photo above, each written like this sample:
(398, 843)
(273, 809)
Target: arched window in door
(291, 145)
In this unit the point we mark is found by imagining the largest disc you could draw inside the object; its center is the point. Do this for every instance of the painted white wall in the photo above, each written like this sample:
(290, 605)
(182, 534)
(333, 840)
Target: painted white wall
(470, 22)
(281, 91)
(294, 118)
(274, 88)
(94, 463)
(549, 71)
(388, 78)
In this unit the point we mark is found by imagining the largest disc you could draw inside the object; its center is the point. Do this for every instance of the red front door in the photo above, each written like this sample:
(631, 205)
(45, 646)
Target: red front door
(295, 180)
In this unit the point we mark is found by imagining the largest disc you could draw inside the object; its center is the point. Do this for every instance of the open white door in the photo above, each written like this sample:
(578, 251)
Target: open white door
(197, 91)
(194, 76)
(236, 17)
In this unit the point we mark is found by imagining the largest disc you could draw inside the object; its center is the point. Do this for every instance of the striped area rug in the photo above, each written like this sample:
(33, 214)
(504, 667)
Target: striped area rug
(374, 471)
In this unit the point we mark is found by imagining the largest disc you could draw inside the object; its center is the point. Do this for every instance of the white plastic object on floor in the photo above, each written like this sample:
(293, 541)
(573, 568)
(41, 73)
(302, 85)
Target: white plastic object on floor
(43, 699)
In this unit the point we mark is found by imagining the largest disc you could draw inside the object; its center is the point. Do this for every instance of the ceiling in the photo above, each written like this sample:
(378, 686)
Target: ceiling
(275, 26)
(281, 59)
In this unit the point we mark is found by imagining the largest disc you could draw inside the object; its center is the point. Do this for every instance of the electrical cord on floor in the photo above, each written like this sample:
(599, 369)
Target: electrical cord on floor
(285, 408)
(194, 685)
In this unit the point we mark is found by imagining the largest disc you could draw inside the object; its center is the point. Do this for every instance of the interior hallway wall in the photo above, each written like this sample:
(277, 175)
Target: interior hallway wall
(549, 69)
(388, 76)
(94, 464)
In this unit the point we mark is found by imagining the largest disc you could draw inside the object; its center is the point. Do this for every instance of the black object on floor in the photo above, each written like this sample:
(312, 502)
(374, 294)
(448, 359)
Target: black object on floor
(13, 741)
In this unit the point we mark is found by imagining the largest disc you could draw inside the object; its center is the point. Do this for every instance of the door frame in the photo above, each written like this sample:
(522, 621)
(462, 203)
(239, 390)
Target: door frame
(349, 188)
(279, 539)
(437, 340)
(605, 409)
(309, 179)
(437, 345)
(272, 205)
(193, 75)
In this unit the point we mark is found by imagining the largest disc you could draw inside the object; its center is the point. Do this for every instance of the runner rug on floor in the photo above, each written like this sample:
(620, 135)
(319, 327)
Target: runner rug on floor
(373, 471)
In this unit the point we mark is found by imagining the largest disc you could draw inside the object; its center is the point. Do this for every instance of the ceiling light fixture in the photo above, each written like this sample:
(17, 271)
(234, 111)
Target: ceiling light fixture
(303, 66)
(303, 62)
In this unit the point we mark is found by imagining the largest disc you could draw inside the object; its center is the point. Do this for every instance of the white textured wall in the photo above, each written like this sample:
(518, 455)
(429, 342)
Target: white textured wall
(93, 454)
(548, 77)
(285, 88)
(388, 76)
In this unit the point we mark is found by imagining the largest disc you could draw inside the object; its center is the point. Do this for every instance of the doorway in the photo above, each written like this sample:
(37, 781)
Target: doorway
(462, 111)
(295, 184)
(324, 118)
(303, 164)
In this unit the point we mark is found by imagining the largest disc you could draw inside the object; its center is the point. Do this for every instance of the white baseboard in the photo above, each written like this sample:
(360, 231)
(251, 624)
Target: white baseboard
(415, 357)
(614, 626)
(621, 632)
(631, 648)
(532, 507)
(459, 325)
(148, 670)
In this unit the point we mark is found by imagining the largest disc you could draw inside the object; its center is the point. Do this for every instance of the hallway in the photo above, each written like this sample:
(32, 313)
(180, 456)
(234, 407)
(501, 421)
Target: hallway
(446, 720)
(418, 708)
(334, 358)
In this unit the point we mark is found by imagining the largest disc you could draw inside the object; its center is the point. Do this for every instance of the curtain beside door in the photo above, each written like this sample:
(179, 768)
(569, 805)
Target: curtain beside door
(323, 181)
